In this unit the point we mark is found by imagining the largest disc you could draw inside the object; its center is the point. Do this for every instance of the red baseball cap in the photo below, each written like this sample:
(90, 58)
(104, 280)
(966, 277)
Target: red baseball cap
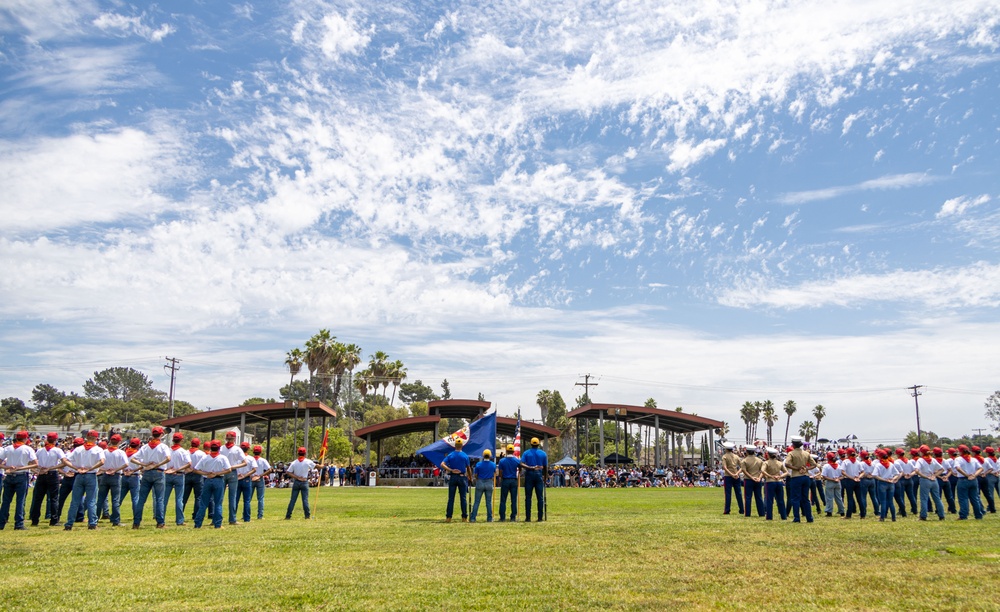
(178, 436)
(78, 441)
(195, 442)
(900, 452)
(914, 452)
(21, 435)
(157, 430)
(830, 456)
(963, 448)
(938, 451)
(244, 445)
(52, 436)
(852, 451)
(924, 448)
(102, 444)
(257, 450)
(842, 451)
(115, 439)
(215, 445)
(230, 434)
(302, 450)
(864, 454)
(989, 450)
(135, 441)
(976, 449)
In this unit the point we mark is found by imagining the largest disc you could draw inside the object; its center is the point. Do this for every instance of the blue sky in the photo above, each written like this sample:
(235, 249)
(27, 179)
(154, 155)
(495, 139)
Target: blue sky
(700, 202)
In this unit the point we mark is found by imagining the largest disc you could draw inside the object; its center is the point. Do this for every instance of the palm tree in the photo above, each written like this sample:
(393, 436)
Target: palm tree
(770, 417)
(818, 412)
(349, 358)
(104, 420)
(317, 356)
(757, 407)
(807, 430)
(790, 409)
(746, 415)
(21, 421)
(397, 374)
(544, 400)
(68, 413)
(378, 364)
(293, 359)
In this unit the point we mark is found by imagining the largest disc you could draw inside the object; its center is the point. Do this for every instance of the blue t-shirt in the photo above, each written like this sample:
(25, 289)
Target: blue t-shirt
(508, 466)
(457, 460)
(485, 469)
(534, 457)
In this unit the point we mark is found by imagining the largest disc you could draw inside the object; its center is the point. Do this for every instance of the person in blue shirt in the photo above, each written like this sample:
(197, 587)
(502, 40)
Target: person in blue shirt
(535, 463)
(486, 472)
(457, 464)
(342, 474)
(508, 484)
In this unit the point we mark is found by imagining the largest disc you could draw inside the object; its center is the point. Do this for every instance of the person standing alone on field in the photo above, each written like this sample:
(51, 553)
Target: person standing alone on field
(299, 472)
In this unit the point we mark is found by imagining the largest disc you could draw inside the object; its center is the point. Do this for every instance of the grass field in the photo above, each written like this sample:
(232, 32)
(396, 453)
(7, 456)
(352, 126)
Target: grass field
(389, 549)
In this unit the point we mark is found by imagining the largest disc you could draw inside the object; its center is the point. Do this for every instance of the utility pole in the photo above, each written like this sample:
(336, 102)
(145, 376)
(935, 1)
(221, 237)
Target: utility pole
(586, 385)
(915, 393)
(979, 433)
(173, 367)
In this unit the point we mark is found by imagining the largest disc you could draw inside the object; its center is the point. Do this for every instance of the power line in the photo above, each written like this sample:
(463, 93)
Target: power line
(586, 384)
(173, 367)
(916, 393)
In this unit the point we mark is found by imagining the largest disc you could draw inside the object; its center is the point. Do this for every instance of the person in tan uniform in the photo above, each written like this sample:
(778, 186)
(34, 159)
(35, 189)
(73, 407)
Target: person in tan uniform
(798, 463)
(752, 481)
(731, 478)
(774, 481)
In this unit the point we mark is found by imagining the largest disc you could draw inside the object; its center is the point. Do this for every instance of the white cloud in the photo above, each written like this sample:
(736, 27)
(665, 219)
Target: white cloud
(976, 285)
(44, 20)
(958, 206)
(86, 178)
(341, 37)
(685, 154)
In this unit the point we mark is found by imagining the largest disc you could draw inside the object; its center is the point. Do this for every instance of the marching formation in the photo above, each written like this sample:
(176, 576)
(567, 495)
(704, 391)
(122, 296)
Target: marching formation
(925, 481)
(96, 476)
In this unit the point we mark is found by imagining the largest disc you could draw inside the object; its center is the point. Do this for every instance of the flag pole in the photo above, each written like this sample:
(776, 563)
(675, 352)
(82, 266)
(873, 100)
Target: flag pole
(322, 468)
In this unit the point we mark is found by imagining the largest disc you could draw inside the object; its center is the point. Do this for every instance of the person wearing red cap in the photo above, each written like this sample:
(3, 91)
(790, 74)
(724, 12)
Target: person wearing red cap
(193, 481)
(831, 475)
(244, 481)
(17, 459)
(130, 476)
(66, 485)
(949, 465)
(49, 459)
(213, 466)
(903, 487)
(928, 471)
(968, 469)
(259, 478)
(237, 459)
(180, 462)
(151, 460)
(299, 470)
(868, 487)
(943, 486)
(992, 469)
(86, 461)
(850, 469)
(109, 481)
(886, 475)
(977, 454)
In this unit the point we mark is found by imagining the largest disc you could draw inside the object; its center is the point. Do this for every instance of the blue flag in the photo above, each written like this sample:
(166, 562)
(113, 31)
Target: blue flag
(478, 436)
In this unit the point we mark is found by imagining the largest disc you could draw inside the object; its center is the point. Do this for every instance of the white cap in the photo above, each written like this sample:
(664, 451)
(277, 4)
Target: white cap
(797, 439)
(728, 445)
(771, 450)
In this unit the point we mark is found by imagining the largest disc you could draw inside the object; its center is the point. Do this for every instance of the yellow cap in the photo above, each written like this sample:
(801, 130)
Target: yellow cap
(487, 454)
(535, 442)
(458, 443)
(510, 448)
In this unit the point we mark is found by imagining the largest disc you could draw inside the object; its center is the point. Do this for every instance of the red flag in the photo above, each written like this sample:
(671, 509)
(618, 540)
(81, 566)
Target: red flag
(322, 449)
(517, 436)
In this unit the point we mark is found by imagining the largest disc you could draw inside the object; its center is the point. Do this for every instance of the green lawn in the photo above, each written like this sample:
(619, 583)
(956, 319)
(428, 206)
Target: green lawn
(389, 549)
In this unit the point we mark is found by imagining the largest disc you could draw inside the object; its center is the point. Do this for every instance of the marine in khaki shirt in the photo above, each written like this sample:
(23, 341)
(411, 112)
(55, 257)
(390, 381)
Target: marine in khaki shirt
(773, 470)
(799, 462)
(751, 466)
(731, 464)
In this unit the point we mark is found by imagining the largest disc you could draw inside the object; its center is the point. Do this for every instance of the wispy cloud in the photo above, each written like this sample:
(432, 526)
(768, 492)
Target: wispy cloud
(133, 26)
(958, 206)
(888, 182)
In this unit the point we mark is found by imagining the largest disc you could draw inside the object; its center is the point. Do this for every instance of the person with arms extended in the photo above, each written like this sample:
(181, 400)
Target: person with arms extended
(457, 465)
(485, 472)
(535, 463)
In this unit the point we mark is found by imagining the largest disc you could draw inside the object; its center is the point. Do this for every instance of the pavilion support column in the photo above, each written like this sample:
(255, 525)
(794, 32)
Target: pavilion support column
(711, 449)
(578, 441)
(368, 449)
(268, 455)
(243, 427)
(656, 440)
(305, 438)
(378, 453)
(670, 448)
(600, 424)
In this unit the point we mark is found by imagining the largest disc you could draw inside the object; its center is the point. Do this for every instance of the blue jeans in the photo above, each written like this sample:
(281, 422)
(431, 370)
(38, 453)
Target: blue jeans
(968, 492)
(852, 493)
(211, 495)
(732, 485)
(130, 485)
(15, 487)
(151, 480)
(174, 483)
(259, 487)
(533, 483)
(869, 490)
(84, 486)
(110, 484)
(298, 487)
(245, 489)
(886, 493)
(232, 483)
(508, 486)
(910, 488)
(773, 490)
(460, 484)
(47, 489)
(799, 487)
(483, 487)
(993, 487)
(929, 489)
(193, 483)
